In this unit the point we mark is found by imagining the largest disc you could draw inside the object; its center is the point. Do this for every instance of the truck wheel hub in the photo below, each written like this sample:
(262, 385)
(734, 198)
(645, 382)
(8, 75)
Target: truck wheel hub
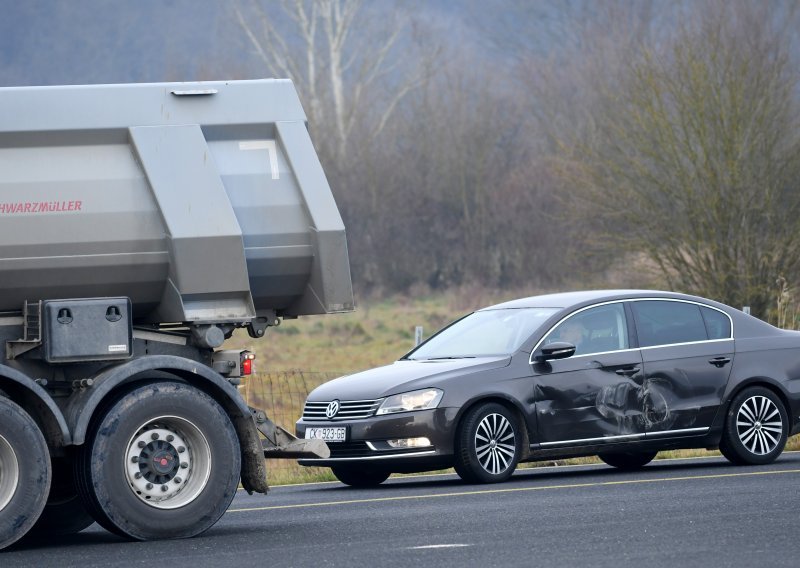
(159, 462)
(168, 462)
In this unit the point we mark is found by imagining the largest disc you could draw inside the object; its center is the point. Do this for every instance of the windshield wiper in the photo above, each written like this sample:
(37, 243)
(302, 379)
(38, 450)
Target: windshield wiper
(450, 357)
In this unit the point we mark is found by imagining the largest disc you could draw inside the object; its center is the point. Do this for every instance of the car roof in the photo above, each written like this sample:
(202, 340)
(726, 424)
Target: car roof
(569, 299)
(566, 302)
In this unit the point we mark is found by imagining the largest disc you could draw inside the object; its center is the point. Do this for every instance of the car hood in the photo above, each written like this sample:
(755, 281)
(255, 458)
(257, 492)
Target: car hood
(402, 376)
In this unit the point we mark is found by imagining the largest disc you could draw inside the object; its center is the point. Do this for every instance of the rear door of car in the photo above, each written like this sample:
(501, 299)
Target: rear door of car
(687, 352)
(592, 397)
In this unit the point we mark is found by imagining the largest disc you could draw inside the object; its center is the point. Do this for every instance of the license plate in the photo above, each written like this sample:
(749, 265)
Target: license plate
(327, 434)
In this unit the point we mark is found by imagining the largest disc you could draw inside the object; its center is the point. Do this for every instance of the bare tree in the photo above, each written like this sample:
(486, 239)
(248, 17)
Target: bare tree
(559, 60)
(695, 158)
(346, 67)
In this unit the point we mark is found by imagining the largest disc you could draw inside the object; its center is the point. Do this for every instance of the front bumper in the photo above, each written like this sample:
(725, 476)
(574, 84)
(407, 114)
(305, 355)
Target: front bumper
(366, 440)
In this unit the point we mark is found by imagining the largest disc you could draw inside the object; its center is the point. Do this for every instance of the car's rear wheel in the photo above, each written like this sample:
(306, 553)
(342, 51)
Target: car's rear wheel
(627, 461)
(488, 444)
(756, 427)
(360, 477)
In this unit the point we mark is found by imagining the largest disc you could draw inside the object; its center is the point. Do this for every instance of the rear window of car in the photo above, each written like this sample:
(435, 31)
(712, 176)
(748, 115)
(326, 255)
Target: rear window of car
(718, 325)
(663, 322)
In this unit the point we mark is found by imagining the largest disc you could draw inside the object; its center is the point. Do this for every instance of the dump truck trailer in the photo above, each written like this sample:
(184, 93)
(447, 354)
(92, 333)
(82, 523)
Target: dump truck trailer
(141, 225)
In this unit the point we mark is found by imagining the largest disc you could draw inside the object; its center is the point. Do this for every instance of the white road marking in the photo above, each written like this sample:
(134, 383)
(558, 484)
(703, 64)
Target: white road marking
(517, 490)
(519, 469)
(429, 546)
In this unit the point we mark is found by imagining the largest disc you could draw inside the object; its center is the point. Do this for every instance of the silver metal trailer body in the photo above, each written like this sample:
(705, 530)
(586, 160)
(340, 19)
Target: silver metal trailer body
(140, 225)
(200, 202)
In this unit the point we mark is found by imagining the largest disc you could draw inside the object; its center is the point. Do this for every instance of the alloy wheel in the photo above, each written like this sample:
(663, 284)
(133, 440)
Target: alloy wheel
(759, 425)
(495, 443)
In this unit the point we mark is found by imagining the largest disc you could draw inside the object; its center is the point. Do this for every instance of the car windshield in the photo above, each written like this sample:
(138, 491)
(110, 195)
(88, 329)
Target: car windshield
(483, 333)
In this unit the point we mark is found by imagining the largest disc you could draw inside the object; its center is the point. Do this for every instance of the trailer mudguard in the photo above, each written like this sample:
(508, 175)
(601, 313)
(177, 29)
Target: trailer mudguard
(84, 404)
(17, 383)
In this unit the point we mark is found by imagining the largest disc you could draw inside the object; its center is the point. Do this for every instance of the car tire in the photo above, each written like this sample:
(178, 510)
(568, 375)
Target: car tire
(360, 477)
(162, 462)
(488, 444)
(756, 428)
(64, 512)
(627, 461)
(25, 472)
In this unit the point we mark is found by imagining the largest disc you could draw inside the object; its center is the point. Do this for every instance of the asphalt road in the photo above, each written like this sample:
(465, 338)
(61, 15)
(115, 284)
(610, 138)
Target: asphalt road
(700, 512)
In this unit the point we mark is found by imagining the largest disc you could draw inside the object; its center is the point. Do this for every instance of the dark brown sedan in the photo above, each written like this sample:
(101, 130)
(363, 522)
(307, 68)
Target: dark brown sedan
(618, 374)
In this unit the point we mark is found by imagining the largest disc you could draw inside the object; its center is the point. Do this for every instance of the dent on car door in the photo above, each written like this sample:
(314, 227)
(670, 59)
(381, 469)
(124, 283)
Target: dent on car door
(687, 352)
(594, 395)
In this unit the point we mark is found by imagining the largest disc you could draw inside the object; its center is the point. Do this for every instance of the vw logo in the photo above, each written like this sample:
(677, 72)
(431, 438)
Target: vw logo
(333, 409)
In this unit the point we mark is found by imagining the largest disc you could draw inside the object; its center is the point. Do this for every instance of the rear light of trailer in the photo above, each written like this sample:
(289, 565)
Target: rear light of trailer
(247, 363)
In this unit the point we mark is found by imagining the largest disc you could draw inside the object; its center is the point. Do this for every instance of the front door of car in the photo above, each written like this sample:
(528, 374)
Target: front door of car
(594, 395)
(687, 351)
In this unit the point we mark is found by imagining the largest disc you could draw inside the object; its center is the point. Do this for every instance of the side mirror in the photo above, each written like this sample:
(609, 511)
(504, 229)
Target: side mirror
(556, 350)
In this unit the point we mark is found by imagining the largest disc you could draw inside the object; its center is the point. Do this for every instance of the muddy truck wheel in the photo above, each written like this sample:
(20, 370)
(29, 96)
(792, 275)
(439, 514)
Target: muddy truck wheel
(64, 512)
(24, 472)
(162, 462)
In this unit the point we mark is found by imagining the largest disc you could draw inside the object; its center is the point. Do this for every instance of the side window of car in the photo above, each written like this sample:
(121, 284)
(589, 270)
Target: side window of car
(663, 322)
(595, 330)
(718, 325)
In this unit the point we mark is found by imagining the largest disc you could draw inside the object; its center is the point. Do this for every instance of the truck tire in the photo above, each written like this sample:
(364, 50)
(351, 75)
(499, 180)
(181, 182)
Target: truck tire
(64, 512)
(24, 472)
(162, 462)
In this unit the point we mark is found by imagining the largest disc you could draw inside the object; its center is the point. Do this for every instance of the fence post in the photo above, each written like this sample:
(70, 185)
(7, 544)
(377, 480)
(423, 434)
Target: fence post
(417, 335)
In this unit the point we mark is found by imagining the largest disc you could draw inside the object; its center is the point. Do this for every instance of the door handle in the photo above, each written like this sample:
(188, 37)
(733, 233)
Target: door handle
(719, 362)
(627, 371)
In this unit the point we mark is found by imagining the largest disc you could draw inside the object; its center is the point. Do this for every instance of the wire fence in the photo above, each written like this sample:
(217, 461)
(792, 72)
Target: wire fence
(282, 396)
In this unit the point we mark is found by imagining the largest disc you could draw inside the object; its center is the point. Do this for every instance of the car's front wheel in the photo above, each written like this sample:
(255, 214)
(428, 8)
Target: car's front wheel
(628, 461)
(360, 477)
(488, 444)
(756, 427)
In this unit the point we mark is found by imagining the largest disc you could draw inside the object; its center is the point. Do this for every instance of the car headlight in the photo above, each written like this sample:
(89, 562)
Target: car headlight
(414, 400)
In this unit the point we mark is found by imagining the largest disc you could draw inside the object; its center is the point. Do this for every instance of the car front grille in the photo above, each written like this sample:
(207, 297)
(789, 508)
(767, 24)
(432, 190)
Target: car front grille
(348, 410)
